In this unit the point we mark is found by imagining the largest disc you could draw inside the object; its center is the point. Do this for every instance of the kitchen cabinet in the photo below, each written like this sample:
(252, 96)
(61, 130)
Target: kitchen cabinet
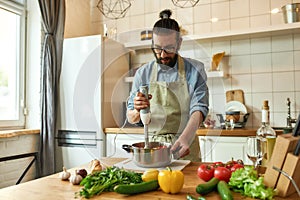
(114, 144)
(216, 148)
(114, 92)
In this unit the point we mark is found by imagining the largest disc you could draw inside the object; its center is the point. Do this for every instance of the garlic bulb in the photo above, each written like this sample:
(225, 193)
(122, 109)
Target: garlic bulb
(96, 166)
(65, 175)
(75, 179)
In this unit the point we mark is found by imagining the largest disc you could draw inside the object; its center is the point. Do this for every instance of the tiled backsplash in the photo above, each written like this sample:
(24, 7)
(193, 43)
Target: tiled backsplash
(264, 67)
(264, 70)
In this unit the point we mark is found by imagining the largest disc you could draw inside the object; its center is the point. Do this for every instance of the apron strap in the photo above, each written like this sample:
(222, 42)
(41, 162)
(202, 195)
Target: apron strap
(181, 70)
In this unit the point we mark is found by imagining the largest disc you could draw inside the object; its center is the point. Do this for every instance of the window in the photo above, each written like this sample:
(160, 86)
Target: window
(12, 51)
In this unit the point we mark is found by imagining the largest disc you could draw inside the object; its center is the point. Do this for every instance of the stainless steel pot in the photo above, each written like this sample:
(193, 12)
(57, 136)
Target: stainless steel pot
(157, 155)
(291, 12)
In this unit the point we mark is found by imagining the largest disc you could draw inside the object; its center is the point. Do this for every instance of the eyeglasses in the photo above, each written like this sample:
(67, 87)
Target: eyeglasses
(167, 50)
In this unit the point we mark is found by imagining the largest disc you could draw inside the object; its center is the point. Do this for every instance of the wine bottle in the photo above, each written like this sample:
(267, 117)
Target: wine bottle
(267, 133)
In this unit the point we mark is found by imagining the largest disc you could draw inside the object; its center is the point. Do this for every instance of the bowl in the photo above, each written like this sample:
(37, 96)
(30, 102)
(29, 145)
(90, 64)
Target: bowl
(146, 35)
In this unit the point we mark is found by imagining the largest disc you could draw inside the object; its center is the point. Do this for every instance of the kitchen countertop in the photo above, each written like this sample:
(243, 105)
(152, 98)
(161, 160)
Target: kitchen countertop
(14, 133)
(51, 187)
(200, 132)
(238, 132)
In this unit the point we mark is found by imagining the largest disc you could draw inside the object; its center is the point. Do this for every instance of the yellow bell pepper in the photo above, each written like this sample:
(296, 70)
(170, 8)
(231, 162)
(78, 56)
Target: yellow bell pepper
(170, 181)
(151, 174)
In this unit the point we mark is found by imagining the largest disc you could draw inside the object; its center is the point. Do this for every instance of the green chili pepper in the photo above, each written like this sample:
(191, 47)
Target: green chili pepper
(190, 197)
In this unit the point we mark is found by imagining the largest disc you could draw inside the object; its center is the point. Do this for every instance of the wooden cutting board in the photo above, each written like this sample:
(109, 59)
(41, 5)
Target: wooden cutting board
(235, 95)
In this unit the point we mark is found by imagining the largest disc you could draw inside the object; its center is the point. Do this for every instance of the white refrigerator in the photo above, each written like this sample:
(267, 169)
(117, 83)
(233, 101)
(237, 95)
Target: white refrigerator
(79, 135)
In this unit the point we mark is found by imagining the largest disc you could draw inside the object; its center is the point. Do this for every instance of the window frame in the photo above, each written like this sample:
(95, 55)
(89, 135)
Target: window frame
(19, 9)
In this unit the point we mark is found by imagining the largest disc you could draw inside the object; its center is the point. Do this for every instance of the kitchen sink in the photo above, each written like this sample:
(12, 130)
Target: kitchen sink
(278, 128)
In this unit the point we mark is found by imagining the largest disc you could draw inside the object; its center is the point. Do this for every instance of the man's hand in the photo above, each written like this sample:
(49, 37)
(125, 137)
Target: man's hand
(182, 145)
(181, 148)
(141, 102)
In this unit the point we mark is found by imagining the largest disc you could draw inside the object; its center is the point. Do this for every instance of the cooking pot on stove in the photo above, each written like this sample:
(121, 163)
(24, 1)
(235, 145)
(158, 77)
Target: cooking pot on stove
(241, 123)
(157, 155)
(233, 115)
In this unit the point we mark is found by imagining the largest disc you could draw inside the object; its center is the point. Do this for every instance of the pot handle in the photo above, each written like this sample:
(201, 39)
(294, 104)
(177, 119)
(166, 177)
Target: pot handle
(127, 148)
(246, 116)
(220, 118)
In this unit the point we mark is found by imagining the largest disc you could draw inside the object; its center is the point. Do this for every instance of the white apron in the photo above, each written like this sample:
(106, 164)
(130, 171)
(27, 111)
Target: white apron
(170, 105)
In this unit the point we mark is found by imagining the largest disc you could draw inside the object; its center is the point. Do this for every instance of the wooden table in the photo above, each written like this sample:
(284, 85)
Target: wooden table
(51, 187)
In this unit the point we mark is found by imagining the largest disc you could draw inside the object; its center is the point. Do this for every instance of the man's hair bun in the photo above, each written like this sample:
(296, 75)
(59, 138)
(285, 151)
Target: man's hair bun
(166, 25)
(165, 14)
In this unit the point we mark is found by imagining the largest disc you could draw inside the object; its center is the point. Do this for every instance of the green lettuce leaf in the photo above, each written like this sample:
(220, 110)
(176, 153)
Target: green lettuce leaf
(247, 182)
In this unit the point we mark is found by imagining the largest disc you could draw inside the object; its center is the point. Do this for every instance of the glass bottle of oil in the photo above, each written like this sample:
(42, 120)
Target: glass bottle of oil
(267, 133)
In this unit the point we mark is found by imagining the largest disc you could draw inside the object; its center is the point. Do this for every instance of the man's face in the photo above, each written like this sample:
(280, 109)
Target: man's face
(165, 48)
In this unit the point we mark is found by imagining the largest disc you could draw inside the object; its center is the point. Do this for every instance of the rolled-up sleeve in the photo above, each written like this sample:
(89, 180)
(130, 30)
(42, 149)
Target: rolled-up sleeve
(141, 77)
(197, 81)
(134, 90)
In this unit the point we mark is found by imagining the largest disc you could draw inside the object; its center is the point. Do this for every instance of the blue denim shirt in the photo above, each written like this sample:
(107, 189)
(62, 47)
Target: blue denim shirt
(195, 76)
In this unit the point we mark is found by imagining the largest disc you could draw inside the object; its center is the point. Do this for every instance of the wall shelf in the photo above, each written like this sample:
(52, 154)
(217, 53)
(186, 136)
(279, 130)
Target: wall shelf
(210, 74)
(128, 79)
(215, 74)
(236, 34)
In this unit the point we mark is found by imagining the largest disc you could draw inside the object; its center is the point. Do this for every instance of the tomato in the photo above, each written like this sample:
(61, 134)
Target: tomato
(222, 173)
(236, 166)
(218, 164)
(205, 172)
(228, 166)
(230, 163)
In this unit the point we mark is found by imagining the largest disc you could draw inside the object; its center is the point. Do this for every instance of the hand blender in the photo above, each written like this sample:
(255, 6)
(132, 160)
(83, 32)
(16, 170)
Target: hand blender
(145, 116)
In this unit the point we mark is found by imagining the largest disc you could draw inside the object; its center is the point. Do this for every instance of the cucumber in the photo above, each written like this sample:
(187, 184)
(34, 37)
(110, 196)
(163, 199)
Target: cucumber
(137, 187)
(224, 191)
(205, 188)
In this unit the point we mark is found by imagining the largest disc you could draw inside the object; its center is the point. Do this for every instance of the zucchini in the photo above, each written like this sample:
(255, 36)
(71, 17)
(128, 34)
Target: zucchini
(224, 191)
(205, 188)
(137, 187)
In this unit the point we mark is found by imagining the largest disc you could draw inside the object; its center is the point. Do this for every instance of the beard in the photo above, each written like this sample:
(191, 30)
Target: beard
(167, 61)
